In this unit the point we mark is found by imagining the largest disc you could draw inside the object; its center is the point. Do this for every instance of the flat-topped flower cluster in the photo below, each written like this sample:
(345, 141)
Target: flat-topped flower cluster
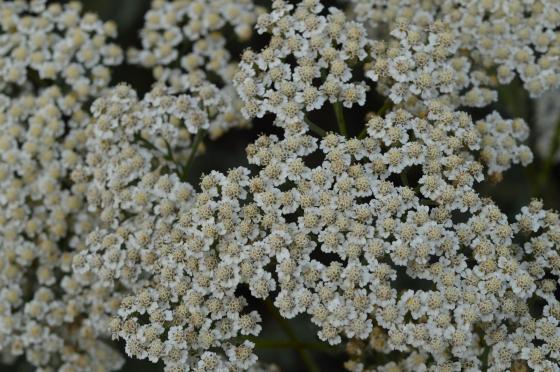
(376, 233)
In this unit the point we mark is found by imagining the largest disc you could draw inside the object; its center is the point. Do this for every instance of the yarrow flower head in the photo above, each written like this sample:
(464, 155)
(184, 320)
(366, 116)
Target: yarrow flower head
(517, 38)
(502, 142)
(375, 230)
(54, 61)
(43, 43)
(308, 61)
(420, 64)
(177, 253)
(381, 234)
(185, 45)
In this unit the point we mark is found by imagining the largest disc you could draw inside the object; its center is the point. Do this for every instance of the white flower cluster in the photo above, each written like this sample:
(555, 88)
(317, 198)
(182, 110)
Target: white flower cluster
(490, 294)
(176, 253)
(307, 62)
(373, 231)
(517, 38)
(419, 65)
(129, 139)
(53, 61)
(186, 44)
(43, 44)
(501, 142)
(182, 305)
(382, 239)
(181, 256)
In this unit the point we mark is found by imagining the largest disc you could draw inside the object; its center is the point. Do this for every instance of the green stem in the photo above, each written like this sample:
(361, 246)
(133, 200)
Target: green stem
(145, 142)
(404, 178)
(315, 128)
(386, 107)
(340, 119)
(286, 344)
(485, 354)
(199, 137)
(285, 325)
(169, 156)
(549, 161)
(429, 202)
(363, 133)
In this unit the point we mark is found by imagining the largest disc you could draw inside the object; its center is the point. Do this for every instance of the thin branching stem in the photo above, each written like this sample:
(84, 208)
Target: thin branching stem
(549, 160)
(198, 139)
(315, 128)
(286, 344)
(287, 328)
(338, 111)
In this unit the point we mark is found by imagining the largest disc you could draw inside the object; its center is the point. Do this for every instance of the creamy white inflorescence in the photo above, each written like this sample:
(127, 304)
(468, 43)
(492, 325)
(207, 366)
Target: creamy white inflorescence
(54, 60)
(382, 240)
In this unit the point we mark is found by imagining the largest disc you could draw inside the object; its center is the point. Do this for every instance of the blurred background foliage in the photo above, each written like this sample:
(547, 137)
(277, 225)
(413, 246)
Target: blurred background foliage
(515, 189)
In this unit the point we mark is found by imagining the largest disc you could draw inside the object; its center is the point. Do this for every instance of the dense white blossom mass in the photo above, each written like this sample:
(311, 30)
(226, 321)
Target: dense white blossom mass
(185, 43)
(54, 59)
(377, 233)
(515, 37)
